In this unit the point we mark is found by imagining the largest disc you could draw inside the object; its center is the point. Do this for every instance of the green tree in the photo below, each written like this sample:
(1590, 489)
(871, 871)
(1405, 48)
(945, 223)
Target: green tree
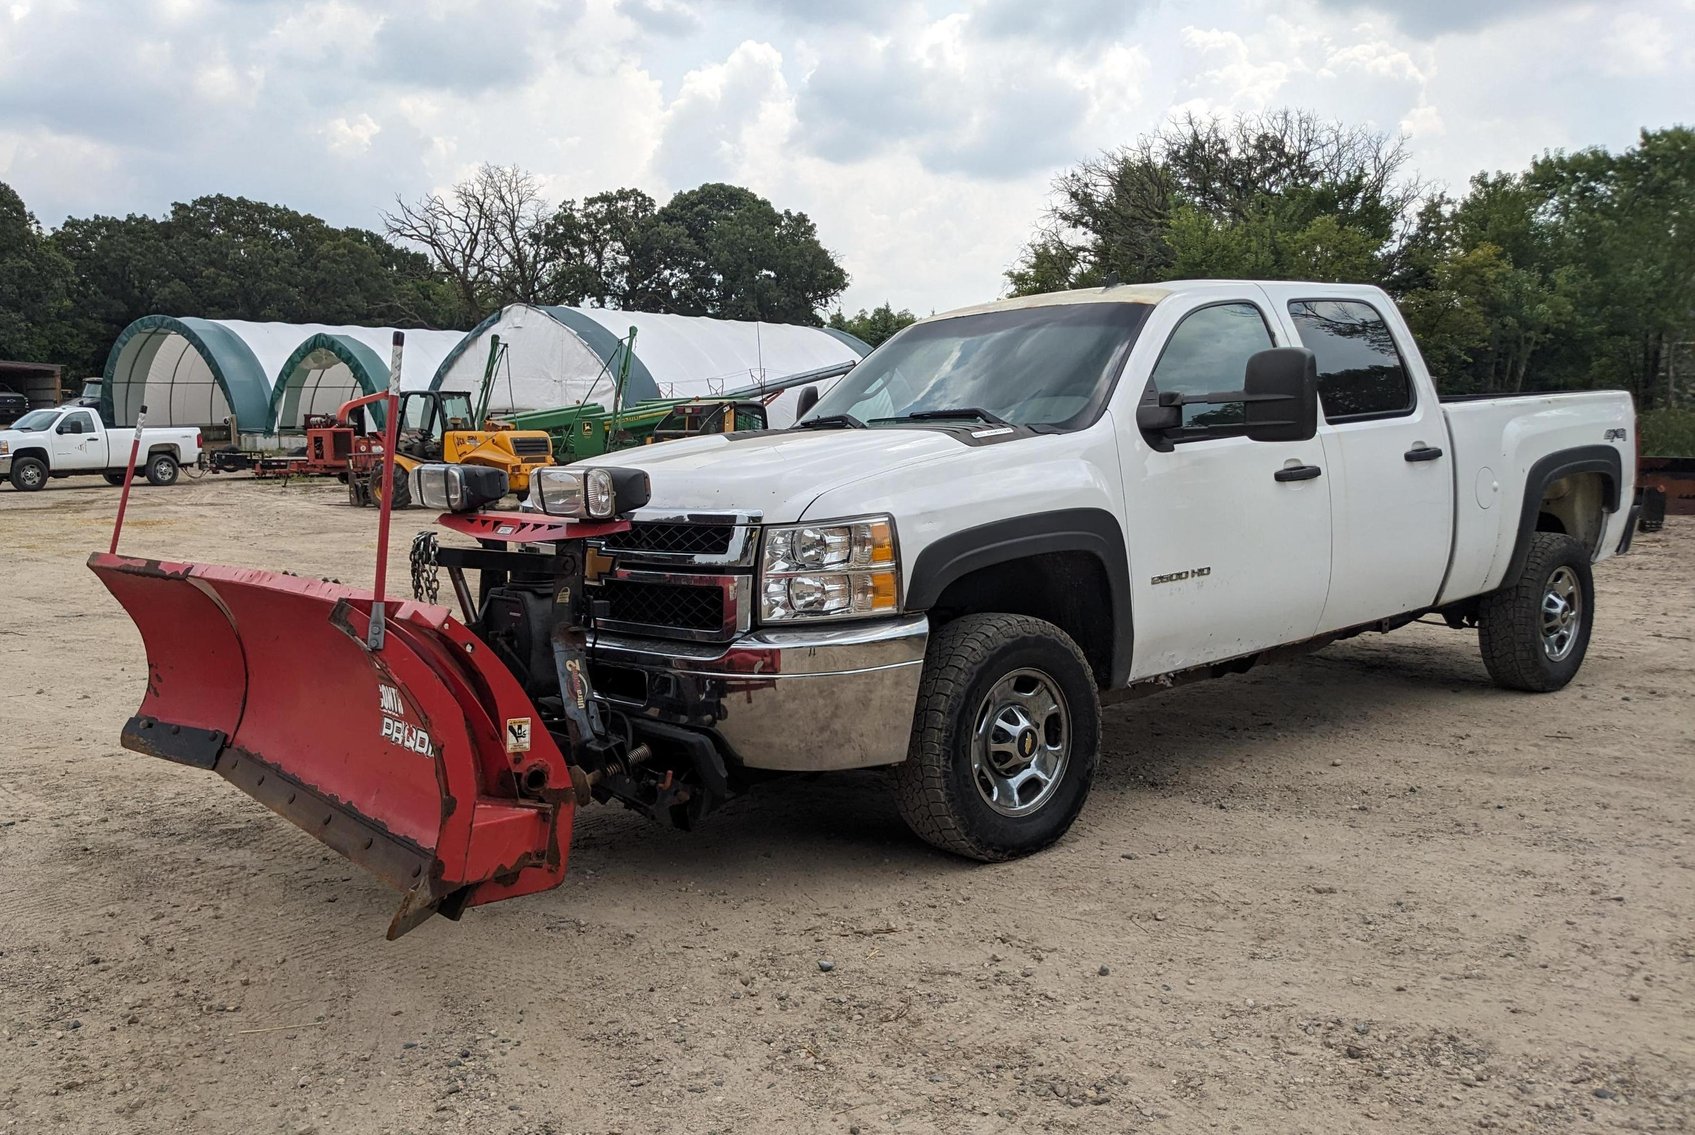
(1280, 195)
(610, 251)
(35, 286)
(736, 257)
(232, 258)
(874, 326)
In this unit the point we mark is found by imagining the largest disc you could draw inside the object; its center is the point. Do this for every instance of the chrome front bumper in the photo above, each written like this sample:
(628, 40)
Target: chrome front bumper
(809, 699)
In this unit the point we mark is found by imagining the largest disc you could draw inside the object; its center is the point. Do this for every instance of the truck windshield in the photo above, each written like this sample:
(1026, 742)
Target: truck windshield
(1034, 366)
(35, 421)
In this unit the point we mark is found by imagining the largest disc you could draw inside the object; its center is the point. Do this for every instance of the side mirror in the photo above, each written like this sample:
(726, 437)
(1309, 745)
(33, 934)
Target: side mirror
(808, 399)
(1280, 390)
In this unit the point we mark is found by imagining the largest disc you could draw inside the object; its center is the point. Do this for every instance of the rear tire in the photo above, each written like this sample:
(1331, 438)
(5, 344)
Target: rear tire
(161, 470)
(1004, 741)
(28, 474)
(1535, 631)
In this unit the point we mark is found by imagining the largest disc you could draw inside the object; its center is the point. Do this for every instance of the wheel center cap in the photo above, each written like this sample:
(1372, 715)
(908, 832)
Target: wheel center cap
(1026, 743)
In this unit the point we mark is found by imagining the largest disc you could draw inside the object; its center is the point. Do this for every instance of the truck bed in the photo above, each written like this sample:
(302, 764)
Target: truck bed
(1496, 440)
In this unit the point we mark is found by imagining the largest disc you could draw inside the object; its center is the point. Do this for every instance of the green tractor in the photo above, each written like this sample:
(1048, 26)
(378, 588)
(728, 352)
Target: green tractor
(591, 429)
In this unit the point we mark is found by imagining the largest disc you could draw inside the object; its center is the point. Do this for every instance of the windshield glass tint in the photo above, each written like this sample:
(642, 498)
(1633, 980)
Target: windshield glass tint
(35, 420)
(1031, 366)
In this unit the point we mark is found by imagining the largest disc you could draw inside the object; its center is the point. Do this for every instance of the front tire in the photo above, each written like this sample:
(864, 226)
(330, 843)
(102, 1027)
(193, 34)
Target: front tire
(28, 474)
(1535, 631)
(1004, 741)
(161, 470)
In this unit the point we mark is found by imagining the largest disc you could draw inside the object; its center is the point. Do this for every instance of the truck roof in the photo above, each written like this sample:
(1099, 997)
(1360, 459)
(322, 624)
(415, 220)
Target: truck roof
(1154, 293)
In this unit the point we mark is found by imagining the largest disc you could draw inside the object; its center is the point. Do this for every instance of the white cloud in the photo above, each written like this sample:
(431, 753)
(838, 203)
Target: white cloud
(920, 135)
(351, 137)
(724, 115)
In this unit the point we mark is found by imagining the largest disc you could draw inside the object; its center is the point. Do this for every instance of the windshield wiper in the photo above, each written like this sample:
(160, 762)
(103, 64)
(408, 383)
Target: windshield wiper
(977, 412)
(831, 422)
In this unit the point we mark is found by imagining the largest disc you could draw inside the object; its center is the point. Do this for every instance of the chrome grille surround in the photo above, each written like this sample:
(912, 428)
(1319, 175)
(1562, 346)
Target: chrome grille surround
(693, 552)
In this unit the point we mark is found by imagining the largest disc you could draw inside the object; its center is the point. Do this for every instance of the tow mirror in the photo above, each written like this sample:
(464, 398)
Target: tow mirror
(1280, 390)
(808, 399)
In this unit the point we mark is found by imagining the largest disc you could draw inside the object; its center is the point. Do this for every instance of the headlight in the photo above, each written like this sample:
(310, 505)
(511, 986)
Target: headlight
(842, 570)
(588, 494)
(458, 488)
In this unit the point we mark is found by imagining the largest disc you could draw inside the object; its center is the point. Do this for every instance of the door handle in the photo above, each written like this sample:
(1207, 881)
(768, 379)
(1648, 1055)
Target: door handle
(1298, 473)
(1423, 453)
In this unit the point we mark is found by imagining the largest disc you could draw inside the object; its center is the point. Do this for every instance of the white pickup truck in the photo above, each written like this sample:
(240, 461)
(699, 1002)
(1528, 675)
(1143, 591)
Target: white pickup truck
(69, 440)
(999, 519)
(1007, 514)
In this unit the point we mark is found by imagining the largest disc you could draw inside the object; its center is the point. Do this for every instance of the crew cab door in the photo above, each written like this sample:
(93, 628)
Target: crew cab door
(1229, 538)
(1386, 459)
(77, 443)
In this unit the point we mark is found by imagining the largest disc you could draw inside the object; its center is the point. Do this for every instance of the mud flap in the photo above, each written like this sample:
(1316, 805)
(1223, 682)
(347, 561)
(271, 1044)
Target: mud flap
(424, 762)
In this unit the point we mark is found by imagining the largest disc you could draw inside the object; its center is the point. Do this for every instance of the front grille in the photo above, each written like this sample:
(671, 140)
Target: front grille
(663, 605)
(674, 538)
(531, 446)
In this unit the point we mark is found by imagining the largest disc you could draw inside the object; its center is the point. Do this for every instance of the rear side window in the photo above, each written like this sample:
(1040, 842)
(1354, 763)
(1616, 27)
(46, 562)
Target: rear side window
(1208, 352)
(1360, 371)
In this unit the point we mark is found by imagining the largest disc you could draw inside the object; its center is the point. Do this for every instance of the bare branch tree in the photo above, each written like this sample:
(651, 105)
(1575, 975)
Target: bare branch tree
(482, 235)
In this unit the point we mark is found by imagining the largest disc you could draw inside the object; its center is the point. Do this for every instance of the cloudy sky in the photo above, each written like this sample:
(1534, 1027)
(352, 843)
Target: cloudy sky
(920, 135)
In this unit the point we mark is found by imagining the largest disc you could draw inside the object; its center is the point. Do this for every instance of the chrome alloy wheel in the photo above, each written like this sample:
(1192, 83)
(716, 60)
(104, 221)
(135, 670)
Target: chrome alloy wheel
(1022, 743)
(1562, 614)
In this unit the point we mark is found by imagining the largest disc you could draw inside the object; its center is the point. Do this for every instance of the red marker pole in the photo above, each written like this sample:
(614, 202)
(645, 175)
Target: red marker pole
(129, 475)
(391, 411)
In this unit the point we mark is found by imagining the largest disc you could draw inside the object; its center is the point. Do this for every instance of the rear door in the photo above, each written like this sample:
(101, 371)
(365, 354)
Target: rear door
(1226, 558)
(78, 443)
(1386, 460)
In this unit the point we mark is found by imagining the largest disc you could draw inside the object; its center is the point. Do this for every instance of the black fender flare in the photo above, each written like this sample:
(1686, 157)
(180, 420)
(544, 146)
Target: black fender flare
(1093, 531)
(1602, 459)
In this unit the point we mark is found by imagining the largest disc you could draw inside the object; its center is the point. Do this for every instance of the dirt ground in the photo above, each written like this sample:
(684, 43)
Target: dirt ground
(1362, 892)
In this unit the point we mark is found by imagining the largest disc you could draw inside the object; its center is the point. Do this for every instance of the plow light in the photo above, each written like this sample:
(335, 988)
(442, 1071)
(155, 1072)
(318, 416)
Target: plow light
(588, 494)
(459, 488)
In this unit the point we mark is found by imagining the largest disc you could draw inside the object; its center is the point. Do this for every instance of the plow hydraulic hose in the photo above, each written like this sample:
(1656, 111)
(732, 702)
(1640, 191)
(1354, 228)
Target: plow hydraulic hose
(129, 475)
(386, 501)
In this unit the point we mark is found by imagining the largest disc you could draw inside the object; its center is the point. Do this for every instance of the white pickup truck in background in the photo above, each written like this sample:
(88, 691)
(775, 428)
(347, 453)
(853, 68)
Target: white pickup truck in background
(70, 440)
(1009, 513)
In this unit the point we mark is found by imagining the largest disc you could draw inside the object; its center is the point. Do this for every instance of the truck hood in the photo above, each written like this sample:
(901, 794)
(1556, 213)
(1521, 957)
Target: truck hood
(777, 473)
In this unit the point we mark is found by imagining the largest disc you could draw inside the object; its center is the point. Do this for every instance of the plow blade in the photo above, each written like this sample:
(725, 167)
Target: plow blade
(422, 761)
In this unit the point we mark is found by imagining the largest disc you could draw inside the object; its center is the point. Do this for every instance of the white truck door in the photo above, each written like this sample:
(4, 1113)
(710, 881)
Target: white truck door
(77, 444)
(1385, 448)
(1229, 538)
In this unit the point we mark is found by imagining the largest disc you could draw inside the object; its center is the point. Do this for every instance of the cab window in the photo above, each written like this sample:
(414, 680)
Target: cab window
(1360, 371)
(1208, 352)
(81, 422)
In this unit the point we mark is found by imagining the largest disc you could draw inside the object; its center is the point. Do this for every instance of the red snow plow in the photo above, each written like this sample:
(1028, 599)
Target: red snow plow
(445, 756)
(422, 761)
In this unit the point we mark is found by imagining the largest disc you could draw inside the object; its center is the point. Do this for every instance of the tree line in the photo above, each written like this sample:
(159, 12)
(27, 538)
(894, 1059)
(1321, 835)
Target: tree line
(444, 261)
(1578, 272)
